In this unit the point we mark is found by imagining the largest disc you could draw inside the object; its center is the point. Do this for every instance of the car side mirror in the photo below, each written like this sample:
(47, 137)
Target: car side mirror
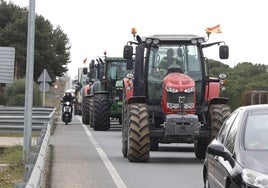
(218, 150)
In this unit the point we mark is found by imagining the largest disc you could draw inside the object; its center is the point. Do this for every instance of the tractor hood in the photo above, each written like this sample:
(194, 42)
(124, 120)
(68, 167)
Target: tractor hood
(178, 81)
(178, 89)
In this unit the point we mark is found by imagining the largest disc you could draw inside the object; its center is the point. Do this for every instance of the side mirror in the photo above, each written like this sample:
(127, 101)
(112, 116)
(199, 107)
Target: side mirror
(128, 52)
(78, 87)
(85, 70)
(218, 150)
(224, 52)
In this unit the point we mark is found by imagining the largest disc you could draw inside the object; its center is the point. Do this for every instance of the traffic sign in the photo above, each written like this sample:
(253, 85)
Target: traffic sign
(43, 86)
(44, 77)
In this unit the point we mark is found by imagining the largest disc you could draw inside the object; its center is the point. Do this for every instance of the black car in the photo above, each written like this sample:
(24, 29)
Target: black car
(238, 156)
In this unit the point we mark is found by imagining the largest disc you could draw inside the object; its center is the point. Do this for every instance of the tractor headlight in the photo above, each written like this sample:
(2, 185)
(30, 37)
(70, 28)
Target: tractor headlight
(172, 90)
(156, 41)
(189, 90)
(149, 41)
(130, 76)
(194, 41)
(254, 178)
(189, 105)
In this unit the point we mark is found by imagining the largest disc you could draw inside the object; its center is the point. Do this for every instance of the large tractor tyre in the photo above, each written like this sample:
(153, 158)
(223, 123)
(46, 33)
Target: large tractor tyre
(200, 147)
(90, 111)
(218, 113)
(76, 110)
(120, 120)
(101, 117)
(139, 133)
(85, 114)
(125, 125)
(154, 144)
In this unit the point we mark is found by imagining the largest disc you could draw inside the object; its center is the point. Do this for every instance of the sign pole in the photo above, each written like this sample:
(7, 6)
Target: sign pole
(44, 91)
(44, 79)
(29, 85)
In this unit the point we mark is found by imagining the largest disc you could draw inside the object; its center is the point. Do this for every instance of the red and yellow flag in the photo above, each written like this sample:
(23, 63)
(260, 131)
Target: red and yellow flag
(85, 60)
(215, 29)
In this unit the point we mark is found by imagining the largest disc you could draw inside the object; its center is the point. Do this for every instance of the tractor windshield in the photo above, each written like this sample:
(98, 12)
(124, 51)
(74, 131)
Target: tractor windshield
(186, 57)
(116, 70)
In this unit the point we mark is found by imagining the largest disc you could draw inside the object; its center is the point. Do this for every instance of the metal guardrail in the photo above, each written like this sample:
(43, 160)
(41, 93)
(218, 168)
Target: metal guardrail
(12, 118)
(35, 168)
(37, 173)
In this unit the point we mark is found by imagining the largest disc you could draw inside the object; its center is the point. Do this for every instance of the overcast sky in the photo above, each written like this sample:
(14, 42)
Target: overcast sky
(104, 25)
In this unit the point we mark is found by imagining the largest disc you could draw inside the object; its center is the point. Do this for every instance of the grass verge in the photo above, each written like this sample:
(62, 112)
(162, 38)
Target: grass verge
(14, 171)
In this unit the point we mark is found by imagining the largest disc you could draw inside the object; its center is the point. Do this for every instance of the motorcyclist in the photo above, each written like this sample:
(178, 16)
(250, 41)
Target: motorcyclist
(68, 98)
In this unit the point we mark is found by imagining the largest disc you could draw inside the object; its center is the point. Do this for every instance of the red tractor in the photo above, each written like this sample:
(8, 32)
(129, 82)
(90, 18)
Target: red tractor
(170, 99)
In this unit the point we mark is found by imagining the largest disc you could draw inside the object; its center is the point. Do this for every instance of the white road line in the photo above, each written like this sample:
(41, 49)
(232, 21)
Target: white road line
(117, 179)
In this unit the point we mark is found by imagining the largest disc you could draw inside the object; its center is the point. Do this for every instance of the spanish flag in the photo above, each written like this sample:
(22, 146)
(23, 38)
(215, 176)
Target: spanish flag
(85, 60)
(215, 29)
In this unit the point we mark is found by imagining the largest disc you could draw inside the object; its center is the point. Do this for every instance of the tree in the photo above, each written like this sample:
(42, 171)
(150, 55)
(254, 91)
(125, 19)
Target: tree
(216, 68)
(52, 48)
(242, 79)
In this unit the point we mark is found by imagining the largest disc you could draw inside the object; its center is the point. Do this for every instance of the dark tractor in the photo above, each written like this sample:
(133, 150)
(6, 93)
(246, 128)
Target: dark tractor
(105, 94)
(170, 102)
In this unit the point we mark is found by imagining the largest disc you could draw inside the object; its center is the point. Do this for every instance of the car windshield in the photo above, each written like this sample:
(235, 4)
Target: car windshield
(256, 132)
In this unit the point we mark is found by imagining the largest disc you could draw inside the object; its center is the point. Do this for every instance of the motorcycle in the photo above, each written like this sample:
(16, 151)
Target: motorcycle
(66, 112)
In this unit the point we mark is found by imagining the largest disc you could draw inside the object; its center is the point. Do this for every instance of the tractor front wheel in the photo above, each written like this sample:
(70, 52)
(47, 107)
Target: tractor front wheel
(101, 117)
(218, 113)
(139, 133)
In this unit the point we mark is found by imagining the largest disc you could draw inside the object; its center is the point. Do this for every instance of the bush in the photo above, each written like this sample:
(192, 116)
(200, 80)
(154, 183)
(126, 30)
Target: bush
(3, 98)
(15, 94)
(17, 100)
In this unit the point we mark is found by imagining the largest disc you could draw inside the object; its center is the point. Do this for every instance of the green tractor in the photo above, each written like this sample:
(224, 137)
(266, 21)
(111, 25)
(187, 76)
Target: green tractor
(105, 93)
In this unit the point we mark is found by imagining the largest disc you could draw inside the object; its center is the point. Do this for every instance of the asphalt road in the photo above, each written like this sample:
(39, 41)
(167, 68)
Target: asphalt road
(87, 158)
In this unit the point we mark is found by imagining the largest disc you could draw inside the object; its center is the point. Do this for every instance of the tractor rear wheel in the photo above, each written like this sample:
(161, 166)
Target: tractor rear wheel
(90, 111)
(200, 147)
(218, 113)
(77, 109)
(139, 133)
(125, 125)
(154, 144)
(85, 114)
(101, 115)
